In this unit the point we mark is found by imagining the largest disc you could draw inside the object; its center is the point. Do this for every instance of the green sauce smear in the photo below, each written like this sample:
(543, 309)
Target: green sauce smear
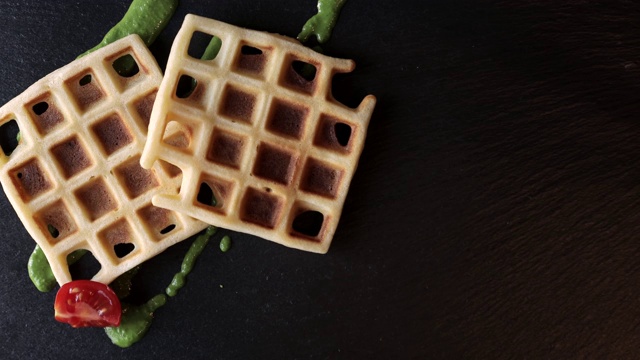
(321, 24)
(135, 322)
(146, 18)
(189, 261)
(40, 271)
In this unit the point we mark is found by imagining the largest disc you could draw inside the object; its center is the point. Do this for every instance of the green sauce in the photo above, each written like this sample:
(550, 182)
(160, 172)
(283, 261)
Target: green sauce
(146, 18)
(189, 261)
(135, 322)
(321, 24)
(40, 271)
(225, 243)
(212, 51)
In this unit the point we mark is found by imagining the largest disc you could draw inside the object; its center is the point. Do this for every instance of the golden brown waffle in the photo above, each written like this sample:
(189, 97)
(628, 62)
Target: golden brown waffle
(75, 179)
(277, 150)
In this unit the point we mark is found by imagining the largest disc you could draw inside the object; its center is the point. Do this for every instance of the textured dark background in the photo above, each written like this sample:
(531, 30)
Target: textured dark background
(494, 213)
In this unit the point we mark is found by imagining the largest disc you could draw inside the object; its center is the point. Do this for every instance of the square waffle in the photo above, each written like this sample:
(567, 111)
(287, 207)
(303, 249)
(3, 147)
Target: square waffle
(75, 179)
(270, 145)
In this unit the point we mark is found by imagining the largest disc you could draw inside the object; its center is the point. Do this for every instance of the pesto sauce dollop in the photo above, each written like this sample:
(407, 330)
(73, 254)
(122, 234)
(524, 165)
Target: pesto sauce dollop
(135, 322)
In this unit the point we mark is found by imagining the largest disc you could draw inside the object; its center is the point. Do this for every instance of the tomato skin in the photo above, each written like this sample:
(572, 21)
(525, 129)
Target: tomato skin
(86, 303)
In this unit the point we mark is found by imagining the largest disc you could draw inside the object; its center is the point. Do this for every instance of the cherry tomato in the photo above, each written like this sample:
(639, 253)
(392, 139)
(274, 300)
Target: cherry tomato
(85, 303)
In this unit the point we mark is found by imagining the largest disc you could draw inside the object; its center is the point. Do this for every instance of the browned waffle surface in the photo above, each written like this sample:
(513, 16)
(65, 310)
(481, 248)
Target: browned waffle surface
(75, 180)
(264, 147)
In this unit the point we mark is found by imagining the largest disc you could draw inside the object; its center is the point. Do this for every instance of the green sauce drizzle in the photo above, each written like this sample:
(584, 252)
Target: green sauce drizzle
(210, 53)
(135, 322)
(189, 260)
(225, 243)
(40, 271)
(146, 18)
(321, 24)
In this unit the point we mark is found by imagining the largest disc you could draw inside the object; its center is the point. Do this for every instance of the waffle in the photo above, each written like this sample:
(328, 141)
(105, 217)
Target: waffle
(75, 180)
(273, 148)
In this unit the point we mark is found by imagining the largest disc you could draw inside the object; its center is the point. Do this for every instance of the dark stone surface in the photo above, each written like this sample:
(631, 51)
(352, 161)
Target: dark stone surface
(494, 213)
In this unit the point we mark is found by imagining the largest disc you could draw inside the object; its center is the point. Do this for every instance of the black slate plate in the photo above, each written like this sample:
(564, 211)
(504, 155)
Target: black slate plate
(494, 213)
(365, 298)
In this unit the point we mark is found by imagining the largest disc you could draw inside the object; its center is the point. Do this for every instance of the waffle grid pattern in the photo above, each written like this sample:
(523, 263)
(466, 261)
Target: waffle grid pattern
(75, 179)
(263, 171)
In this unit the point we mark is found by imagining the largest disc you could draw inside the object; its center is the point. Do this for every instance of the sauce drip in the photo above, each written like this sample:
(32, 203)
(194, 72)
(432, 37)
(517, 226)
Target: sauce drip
(321, 24)
(189, 261)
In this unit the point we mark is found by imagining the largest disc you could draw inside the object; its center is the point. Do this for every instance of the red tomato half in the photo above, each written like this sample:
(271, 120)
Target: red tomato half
(85, 303)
